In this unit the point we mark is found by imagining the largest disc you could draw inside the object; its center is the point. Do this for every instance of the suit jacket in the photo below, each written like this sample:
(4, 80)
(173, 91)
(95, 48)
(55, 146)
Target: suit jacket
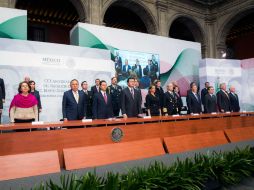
(155, 65)
(124, 72)
(204, 91)
(2, 92)
(101, 109)
(223, 101)
(234, 102)
(71, 109)
(210, 103)
(89, 104)
(118, 66)
(193, 104)
(137, 71)
(36, 93)
(119, 60)
(153, 104)
(160, 94)
(151, 72)
(179, 102)
(170, 103)
(128, 68)
(94, 90)
(129, 106)
(140, 94)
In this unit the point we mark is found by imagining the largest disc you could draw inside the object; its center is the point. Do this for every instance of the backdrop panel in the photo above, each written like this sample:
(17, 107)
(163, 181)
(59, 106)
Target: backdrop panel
(239, 73)
(179, 60)
(247, 84)
(52, 75)
(13, 23)
(25, 46)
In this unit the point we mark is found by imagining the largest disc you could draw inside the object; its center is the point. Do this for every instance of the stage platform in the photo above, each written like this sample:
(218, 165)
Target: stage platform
(104, 142)
(167, 159)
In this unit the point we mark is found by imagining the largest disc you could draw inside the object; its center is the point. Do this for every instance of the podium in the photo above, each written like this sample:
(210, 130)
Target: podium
(164, 135)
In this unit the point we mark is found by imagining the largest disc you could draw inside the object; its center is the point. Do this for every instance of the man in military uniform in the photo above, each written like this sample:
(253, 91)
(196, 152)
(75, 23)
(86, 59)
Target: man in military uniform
(170, 101)
(115, 91)
(89, 99)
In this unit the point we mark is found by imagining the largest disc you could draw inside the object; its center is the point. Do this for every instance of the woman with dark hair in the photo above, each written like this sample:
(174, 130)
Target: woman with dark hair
(153, 102)
(23, 106)
(36, 93)
(179, 99)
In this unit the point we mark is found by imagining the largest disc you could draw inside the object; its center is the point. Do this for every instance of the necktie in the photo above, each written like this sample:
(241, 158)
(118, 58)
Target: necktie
(234, 95)
(226, 94)
(105, 98)
(196, 97)
(76, 96)
(132, 93)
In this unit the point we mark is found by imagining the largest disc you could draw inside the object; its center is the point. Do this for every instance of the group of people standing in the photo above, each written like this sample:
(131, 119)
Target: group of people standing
(171, 101)
(223, 101)
(103, 101)
(124, 71)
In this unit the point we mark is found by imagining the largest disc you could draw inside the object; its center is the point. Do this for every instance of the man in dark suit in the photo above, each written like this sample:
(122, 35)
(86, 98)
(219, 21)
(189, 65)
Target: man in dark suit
(136, 87)
(190, 90)
(115, 91)
(234, 101)
(119, 59)
(126, 69)
(204, 91)
(74, 103)
(155, 63)
(102, 103)
(223, 100)
(118, 69)
(96, 88)
(159, 93)
(89, 100)
(130, 100)
(118, 66)
(150, 71)
(210, 102)
(137, 69)
(193, 101)
(2, 97)
(170, 101)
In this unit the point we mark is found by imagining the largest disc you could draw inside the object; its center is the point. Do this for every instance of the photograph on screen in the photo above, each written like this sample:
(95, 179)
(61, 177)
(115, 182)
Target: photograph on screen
(143, 66)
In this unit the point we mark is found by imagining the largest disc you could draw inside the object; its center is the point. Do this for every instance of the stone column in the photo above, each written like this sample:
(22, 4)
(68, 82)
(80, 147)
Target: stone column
(8, 3)
(162, 14)
(95, 12)
(209, 48)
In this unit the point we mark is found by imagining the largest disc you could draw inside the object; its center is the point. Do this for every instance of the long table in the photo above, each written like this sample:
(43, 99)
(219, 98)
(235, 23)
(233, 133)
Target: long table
(116, 121)
(98, 132)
